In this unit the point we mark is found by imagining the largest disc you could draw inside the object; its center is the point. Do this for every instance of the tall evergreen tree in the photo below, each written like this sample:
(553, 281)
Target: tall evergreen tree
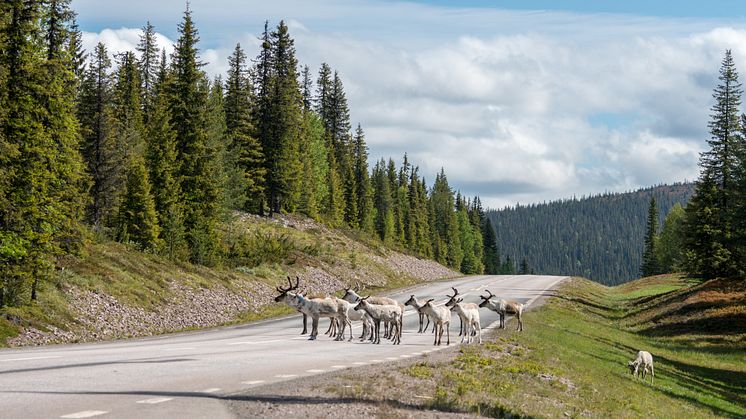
(279, 126)
(384, 220)
(446, 228)
(315, 187)
(137, 221)
(149, 67)
(188, 107)
(306, 86)
(669, 250)
(95, 116)
(334, 206)
(163, 170)
(491, 256)
(523, 269)
(720, 165)
(649, 265)
(247, 159)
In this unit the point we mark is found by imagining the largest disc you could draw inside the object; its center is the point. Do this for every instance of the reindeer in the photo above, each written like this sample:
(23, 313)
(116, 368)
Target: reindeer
(469, 314)
(322, 307)
(452, 301)
(441, 317)
(353, 297)
(502, 307)
(389, 313)
(413, 302)
(286, 295)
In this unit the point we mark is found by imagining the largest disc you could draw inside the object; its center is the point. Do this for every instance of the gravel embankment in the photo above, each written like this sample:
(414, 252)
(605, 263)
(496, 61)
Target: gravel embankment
(99, 316)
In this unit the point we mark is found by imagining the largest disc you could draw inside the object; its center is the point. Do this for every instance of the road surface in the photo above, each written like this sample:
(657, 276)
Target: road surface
(188, 374)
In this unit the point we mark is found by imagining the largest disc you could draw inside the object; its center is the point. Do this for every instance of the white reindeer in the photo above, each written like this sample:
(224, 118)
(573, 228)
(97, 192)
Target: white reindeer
(501, 307)
(390, 313)
(413, 302)
(644, 360)
(322, 307)
(469, 318)
(441, 317)
(353, 297)
(451, 302)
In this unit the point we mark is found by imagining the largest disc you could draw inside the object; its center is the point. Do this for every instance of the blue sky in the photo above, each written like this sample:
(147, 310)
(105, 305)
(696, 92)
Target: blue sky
(519, 101)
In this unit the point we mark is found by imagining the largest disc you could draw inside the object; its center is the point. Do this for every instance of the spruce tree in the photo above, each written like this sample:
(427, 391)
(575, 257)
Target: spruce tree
(137, 221)
(149, 67)
(246, 160)
(669, 249)
(384, 220)
(491, 256)
(446, 228)
(280, 124)
(720, 165)
(314, 188)
(649, 265)
(98, 147)
(523, 269)
(163, 169)
(334, 205)
(188, 107)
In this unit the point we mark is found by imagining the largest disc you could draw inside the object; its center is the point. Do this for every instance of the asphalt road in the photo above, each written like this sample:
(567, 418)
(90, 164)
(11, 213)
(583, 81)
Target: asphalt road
(190, 374)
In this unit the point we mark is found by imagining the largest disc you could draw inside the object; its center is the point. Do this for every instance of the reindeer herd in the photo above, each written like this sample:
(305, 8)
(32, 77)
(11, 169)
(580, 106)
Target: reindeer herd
(373, 311)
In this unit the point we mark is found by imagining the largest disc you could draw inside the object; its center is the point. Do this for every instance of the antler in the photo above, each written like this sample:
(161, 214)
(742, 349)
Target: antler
(487, 297)
(284, 290)
(429, 301)
(455, 291)
(297, 282)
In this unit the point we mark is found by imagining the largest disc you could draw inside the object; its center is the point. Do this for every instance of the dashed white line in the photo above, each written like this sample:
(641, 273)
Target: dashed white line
(85, 414)
(251, 383)
(359, 363)
(255, 342)
(375, 361)
(155, 400)
(391, 358)
(210, 390)
(405, 356)
(286, 375)
(29, 358)
(339, 366)
(416, 353)
(176, 349)
(315, 371)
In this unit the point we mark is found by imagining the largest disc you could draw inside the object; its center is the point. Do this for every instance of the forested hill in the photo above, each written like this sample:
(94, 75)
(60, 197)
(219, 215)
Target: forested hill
(599, 237)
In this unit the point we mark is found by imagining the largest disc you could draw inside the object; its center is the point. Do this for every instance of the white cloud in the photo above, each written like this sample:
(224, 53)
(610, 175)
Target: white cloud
(517, 106)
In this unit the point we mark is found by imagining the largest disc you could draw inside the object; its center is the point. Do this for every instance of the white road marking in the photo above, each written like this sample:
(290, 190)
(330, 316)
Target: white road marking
(255, 342)
(416, 353)
(210, 390)
(251, 383)
(375, 361)
(155, 400)
(176, 349)
(338, 366)
(315, 371)
(391, 358)
(286, 375)
(85, 414)
(405, 356)
(30, 359)
(359, 363)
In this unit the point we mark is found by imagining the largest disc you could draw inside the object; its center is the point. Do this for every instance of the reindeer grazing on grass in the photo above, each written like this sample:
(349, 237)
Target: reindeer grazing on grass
(501, 307)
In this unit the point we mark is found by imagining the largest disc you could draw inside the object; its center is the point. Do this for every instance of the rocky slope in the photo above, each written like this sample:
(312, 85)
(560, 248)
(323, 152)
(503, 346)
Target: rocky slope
(116, 292)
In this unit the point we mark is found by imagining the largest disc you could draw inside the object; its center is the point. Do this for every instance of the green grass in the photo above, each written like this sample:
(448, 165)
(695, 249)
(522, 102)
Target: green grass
(571, 360)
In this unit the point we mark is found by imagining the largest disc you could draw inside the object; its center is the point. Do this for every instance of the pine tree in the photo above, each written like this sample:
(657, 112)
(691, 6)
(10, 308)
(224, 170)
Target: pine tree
(669, 249)
(306, 89)
(279, 129)
(720, 165)
(137, 221)
(94, 114)
(163, 169)
(188, 107)
(149, 67)
(705, 254)
(323, 97)
(314, 188)
(247, 167)
(491, 255)
(649, 265)
(523, 268)
(446, 228)
(384, 220)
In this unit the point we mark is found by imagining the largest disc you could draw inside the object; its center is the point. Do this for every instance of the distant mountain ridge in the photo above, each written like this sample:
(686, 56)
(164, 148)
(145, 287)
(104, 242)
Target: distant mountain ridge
(598, 237)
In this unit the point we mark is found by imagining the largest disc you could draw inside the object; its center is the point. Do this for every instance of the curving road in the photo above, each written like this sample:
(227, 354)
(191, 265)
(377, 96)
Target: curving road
(188, 374)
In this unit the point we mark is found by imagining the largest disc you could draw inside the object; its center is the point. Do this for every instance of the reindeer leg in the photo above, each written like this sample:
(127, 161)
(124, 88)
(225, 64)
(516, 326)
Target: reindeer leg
(314, 328)
(305, 318)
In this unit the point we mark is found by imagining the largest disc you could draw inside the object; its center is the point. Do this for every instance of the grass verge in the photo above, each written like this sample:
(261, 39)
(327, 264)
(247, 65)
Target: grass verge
(571, 359)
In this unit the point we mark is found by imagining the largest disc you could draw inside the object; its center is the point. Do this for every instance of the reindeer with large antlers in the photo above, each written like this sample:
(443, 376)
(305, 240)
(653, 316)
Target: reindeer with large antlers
(286, 297)
(502, 307)
(353, 297)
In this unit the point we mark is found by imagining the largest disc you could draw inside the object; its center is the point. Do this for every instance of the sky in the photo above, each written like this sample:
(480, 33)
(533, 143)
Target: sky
(520, 101)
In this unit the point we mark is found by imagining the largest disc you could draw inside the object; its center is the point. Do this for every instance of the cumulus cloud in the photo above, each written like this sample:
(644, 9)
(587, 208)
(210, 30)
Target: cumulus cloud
(516, 106)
